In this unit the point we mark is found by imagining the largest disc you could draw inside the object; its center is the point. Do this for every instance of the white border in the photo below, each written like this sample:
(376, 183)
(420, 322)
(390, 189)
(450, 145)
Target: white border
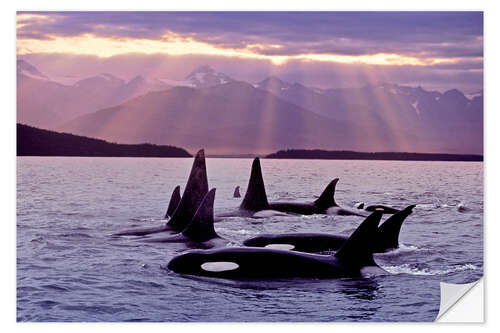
(7, 139)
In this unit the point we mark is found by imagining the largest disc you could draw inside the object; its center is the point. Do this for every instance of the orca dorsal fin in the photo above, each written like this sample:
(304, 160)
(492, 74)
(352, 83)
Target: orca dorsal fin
(255, 196)
(357, 250)
(236, 193)
(195, 191)
(174, 201)
(327, 198)
(201, 228)
(388, 232)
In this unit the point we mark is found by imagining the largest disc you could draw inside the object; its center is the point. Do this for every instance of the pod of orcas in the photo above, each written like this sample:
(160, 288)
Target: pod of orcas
(190, 220)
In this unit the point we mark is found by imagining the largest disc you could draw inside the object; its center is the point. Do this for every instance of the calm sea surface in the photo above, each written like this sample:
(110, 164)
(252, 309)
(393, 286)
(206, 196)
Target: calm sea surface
(70, 269)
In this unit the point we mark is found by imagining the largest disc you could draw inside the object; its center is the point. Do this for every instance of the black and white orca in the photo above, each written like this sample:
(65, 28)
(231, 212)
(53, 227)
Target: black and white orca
(195, 191)
(200, 232)
(386, 238)
(255, 199)
(353, 259)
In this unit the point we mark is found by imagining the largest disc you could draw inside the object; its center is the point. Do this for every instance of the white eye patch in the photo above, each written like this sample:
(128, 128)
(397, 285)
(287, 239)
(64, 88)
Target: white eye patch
(280, 246)
(219, 266)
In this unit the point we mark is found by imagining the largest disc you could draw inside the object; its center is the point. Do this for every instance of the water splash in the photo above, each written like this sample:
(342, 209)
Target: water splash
(408, 269)
(403, 249)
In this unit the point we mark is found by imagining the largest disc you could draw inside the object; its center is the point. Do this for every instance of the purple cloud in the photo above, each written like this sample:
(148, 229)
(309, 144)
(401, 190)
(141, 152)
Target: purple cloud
(438, 34)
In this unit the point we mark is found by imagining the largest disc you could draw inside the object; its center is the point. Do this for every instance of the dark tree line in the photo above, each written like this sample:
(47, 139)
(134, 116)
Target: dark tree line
(353, 155)
(33, 141)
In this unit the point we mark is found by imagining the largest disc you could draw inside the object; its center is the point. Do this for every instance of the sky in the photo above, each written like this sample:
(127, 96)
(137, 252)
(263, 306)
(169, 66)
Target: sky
(436, 50)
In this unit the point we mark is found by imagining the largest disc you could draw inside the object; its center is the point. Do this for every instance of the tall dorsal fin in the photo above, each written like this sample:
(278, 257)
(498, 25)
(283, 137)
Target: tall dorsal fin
(357, 250)
(327, 198)
(195, 191)
(388, 232)
(201, 228)
(174, 201)
(255, 197)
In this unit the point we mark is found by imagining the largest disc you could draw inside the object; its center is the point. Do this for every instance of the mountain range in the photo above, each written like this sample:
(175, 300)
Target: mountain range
(226, 116)
(50, 101)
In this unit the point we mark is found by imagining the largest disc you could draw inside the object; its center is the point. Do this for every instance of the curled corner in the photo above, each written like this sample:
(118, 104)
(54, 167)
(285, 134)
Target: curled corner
(452, 298)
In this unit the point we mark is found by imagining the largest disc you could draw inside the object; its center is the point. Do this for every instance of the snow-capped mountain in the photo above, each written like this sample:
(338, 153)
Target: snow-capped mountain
(274, 85)
(46, 102)
(382, 116)
(206, 76)
(202, 77)
(446, 117)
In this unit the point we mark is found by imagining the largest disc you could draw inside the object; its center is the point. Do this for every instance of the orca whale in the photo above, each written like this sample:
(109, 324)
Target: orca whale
(195, 191)
(386, 238)
(256, 199)
(353, 259)
(174, 202)
(236, 193)
(200, 232)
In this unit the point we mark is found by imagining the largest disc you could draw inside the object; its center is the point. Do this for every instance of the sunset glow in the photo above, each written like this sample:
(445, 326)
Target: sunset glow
(175, 44)
(241, 82)
(322, 49)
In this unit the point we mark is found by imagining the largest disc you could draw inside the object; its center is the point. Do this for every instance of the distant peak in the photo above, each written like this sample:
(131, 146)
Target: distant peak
(385, 85)
(205, 69)
(137, 78)
(206, 76)
(273, 78)
(27, 69)
(454, 93)
(273, 82)
(108, 76)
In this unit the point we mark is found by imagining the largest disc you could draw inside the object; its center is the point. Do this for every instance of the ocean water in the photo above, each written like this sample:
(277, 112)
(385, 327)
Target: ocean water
(70, 269)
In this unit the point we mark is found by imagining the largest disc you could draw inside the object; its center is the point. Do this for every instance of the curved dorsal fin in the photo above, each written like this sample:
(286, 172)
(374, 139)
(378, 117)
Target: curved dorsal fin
(327, 198)
(388, 232)
(174, 201)
(201, 228)
(255, 196)
(195, 191)
(357, 250)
